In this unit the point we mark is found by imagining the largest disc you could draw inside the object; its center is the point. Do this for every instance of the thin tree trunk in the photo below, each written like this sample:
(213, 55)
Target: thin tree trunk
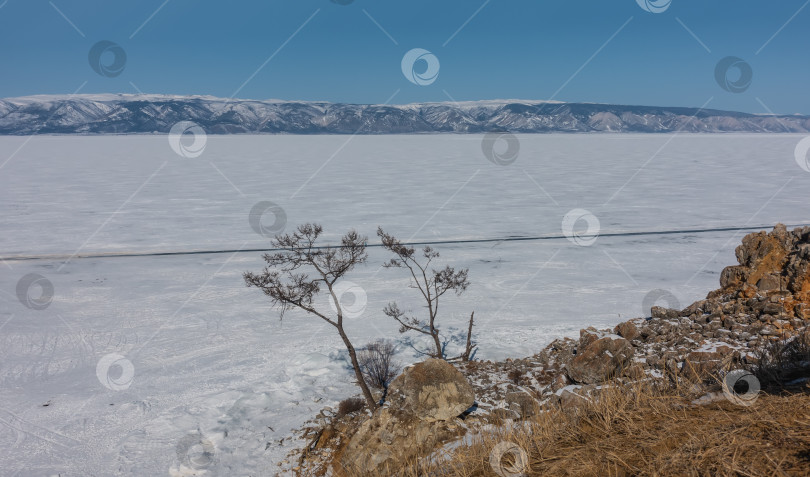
(467, 349)
(357, 372)
(438, 344)
(435, 334)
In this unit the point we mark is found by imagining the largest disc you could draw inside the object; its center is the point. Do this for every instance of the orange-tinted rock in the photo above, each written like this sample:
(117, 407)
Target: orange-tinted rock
(587, 336)
(627, 330)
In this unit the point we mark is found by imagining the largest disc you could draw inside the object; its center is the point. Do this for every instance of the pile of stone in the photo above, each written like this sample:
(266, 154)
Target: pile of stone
(766, 297)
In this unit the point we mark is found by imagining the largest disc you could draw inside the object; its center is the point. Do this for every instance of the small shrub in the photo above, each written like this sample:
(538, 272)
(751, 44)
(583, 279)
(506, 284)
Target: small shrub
(784, 360)
(350, 405)
(432, 284)
(377, 363)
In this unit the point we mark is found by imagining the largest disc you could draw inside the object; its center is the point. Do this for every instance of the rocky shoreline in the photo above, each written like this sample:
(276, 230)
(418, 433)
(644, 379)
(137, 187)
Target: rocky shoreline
(763, 300)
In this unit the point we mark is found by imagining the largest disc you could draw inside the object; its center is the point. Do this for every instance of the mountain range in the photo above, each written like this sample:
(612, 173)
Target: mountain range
(146, 114)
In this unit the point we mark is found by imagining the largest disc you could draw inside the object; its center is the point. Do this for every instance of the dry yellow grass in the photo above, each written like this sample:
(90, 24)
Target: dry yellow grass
(648, 431)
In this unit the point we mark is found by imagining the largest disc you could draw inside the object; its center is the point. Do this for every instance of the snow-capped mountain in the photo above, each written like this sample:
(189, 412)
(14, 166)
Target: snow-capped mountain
(137, 114)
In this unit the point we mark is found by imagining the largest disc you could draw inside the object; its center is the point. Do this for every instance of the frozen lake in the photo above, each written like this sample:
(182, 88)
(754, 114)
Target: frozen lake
(155, 364)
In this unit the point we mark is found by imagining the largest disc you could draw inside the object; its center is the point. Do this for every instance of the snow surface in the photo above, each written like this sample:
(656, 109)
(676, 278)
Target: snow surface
(217, 380)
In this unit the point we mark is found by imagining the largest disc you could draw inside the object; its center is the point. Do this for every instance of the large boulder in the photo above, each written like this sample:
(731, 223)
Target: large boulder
(390, 440)
(418, 416)
(432, 390)
(776, 263)
(600, 360)
(762, 258)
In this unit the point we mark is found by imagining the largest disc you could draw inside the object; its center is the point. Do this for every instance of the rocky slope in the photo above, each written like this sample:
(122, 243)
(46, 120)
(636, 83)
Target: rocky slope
(765, 300)
(138, 114)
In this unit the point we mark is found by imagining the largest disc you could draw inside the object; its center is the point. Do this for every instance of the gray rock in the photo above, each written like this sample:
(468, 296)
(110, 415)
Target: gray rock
(522, 403)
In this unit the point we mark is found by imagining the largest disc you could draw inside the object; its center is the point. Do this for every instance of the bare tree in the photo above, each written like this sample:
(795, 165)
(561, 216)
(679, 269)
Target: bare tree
(286, 279)
(431, 283)
(378, 364)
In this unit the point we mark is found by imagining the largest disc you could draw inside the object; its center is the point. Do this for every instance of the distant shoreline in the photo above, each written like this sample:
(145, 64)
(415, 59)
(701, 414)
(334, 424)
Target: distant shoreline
(155, 114)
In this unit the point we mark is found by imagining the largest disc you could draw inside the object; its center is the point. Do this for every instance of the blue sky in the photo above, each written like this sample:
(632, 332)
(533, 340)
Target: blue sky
(610, 51)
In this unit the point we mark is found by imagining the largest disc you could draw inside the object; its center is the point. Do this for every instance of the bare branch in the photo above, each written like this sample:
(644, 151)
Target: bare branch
(406, 322)
(431, 284)
(286, 278)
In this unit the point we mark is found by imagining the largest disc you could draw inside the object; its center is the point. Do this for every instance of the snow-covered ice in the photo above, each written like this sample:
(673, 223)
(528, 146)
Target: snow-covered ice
(207, 378)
